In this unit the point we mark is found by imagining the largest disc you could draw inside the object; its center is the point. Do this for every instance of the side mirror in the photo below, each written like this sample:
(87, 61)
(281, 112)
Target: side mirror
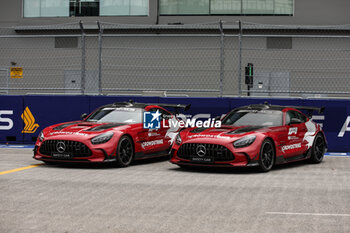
(295, 121)
(83, 116)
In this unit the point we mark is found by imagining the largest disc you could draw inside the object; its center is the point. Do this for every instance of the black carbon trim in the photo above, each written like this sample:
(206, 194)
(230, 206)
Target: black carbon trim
(104, 127)
(198, 130)
(60, 127)
(246, 129)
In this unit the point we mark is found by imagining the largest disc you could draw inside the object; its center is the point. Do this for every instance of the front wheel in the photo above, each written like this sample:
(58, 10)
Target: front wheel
(318, 149)
(266, 156)
(125, 152)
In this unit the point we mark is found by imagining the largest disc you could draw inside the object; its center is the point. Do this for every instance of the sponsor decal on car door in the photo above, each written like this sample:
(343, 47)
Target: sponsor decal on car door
(295, 135)
(155, 139)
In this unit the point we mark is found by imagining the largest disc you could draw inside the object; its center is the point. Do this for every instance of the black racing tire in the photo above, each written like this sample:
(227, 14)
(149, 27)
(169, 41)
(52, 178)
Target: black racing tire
(266, 156)
(318, 149)
(125, 152)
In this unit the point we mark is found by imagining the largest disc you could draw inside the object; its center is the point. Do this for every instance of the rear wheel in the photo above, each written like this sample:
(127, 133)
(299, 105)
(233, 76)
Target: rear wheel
(125, 152)
(318, 149)
(266, 156)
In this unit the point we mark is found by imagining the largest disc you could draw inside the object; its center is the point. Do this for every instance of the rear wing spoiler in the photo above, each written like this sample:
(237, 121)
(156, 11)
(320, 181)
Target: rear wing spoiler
(175, 106)
(309, 109)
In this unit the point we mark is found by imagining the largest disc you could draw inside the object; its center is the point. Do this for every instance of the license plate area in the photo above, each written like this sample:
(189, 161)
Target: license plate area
(62, 156)
(198, 159)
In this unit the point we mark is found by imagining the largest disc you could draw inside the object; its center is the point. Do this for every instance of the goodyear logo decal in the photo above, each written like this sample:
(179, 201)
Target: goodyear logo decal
(29, 121)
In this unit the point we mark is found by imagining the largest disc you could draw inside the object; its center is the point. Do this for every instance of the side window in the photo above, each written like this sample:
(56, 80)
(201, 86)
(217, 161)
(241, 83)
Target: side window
(294, 114)
(289, 116)
(301, 116)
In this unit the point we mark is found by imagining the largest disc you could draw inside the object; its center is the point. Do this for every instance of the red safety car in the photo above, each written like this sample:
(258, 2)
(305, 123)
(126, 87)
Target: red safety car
(112, 133)
(256, 135)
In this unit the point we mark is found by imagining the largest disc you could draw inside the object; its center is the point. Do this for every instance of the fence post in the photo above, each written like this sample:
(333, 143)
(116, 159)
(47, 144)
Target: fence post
(240, 57)
(222, 57)
(100, 33)
(83, 58)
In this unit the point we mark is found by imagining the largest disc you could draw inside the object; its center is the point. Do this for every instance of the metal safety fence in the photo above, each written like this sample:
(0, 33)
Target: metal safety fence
(211, 59)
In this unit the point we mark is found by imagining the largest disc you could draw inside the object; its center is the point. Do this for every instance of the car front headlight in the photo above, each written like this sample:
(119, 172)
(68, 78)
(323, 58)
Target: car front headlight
(103, 138)
(245, 141)
(178, 139)
(41, 136)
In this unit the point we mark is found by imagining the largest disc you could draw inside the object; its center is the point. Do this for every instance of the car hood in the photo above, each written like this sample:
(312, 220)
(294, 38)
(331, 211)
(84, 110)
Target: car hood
(83, 127)
(222, 132)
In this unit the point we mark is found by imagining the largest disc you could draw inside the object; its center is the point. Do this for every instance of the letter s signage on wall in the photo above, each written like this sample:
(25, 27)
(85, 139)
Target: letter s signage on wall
(11, 124)
(6, 123)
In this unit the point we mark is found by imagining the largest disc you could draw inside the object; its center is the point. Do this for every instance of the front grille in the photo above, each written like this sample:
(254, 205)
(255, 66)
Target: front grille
(218, 152)
(76, 149)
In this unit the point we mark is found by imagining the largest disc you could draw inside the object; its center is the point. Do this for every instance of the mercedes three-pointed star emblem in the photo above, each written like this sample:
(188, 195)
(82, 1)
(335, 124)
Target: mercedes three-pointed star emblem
(201, 150)
(61, 147)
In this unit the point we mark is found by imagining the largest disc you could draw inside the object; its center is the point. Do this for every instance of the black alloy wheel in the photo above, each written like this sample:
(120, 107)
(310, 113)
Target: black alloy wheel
(318, 149)
(125, 152)
(266, 156)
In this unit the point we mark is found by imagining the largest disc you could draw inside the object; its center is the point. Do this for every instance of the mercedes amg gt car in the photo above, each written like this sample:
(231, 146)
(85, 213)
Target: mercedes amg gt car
(256, 135)
(112, 133)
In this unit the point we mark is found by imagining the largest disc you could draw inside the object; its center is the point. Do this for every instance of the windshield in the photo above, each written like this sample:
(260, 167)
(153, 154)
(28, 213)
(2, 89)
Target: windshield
(254, 117)
(118, 115)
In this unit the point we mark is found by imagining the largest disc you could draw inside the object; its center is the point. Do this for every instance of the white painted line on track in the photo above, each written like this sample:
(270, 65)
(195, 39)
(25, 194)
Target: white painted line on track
(17, 146)
(340, 154)
(309, 214)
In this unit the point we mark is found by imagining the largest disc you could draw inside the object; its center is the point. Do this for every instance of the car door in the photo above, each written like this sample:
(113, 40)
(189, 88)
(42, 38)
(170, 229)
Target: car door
(156, 138)
(296, 129)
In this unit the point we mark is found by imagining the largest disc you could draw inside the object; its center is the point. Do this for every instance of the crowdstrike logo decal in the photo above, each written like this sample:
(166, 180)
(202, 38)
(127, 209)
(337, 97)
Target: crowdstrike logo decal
(291, 147)
(151, 143)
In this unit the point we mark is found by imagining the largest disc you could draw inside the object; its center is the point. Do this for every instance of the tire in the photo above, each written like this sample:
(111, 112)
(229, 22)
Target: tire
(125, 152)
(266, 156)
(318, 149)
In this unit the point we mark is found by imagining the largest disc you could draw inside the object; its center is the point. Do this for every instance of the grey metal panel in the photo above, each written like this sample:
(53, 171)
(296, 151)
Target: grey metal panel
(279, 81)
(261, 84)
(72, 79)
(270, 84)
(4, 80)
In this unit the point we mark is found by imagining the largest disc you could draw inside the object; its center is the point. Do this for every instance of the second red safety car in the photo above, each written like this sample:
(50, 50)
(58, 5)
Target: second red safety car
(256, 135)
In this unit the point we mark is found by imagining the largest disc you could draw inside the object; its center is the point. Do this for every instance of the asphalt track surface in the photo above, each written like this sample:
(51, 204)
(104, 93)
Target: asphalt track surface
(156, 196)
